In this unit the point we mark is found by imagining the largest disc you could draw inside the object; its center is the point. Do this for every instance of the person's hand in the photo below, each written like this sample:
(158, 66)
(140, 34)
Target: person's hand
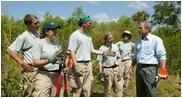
(66, 69)
(163, 74)
(58, 54)
(130, 71)
(109, 53)
(101, 76)
(53, 57)
(27, 66)
(78, 70)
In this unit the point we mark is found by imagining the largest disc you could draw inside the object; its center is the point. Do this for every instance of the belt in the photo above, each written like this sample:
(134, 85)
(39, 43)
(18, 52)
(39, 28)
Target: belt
(49, 70)
(147, 65)
(83, 61)
(125, 60)
(111, 66)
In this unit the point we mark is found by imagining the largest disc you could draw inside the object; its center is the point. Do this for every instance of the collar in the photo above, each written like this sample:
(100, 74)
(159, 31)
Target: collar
(108, 45)
(33, 34)
(147, 37)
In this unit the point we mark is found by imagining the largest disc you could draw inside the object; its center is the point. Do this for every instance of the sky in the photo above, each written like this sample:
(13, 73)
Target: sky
(100, 11)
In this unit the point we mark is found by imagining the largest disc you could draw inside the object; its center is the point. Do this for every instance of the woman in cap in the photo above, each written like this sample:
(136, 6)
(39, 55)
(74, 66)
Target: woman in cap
(125, 48)
(45, 56)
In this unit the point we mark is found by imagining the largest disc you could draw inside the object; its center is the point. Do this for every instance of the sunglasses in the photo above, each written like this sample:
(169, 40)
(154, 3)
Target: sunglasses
(126, 34)
(36, 23)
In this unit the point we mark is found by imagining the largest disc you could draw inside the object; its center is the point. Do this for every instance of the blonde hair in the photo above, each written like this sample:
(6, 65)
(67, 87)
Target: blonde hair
(106, 36)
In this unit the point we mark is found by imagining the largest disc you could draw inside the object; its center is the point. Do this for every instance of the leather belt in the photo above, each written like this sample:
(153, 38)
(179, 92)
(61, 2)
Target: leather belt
(147, 65)
(111, 66)
(49, 70)
(83, 61)
(125, 60)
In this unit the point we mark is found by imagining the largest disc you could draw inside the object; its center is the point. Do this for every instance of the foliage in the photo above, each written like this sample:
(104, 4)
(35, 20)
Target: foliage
(171, 38)
(11, 28)
(140, 16)
(77, 13)
(167, 13)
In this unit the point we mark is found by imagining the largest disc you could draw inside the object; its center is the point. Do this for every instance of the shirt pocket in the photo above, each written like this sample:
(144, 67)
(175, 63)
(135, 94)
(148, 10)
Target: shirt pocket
(148, 50)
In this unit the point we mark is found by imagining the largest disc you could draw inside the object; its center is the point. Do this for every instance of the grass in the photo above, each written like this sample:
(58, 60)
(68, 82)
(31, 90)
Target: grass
(165, 88)
(10, 77)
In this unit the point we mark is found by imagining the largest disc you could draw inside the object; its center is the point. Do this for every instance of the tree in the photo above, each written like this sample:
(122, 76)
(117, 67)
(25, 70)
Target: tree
(167, 13)
(172, 41)
(77, 13)
(140, 16)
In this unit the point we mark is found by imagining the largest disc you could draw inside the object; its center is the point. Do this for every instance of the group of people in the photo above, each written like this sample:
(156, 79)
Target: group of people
(41, 59)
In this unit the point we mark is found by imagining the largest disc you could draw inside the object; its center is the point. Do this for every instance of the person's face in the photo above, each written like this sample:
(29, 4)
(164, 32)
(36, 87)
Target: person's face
(125, 37)
(143, 31)
(109, 39)
(87, 25)
(51, 34)
(35, 24)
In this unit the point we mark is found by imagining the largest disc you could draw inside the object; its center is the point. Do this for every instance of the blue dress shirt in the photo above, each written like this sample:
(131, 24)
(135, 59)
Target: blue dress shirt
(149, 50)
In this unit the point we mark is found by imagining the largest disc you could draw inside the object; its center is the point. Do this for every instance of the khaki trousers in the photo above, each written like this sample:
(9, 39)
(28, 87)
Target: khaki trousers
(45, 83)
(82, 84)
(27, 82)
(113, 78)
(124, 69)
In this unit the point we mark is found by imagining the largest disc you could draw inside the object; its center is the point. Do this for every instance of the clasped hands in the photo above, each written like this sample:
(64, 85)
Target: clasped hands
(109, 52)
(53, 57)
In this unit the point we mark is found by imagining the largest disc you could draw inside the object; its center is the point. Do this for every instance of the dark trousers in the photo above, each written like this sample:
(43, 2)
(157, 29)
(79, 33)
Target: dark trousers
(145, 81)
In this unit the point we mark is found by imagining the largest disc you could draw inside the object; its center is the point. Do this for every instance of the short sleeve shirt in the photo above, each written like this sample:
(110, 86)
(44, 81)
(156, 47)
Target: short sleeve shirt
(108, 61)
(81, 44)
(41, 49)
(24, 43)
(125, 49)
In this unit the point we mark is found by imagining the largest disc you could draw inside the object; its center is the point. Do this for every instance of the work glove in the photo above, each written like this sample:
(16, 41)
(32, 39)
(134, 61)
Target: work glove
(101, 76)
(58, 53)
(53, 57)
(163, 74)
(79, 70)
(109, 53)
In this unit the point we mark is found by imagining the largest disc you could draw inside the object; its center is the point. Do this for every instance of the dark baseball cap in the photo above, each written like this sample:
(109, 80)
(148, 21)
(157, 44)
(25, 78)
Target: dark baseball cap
(50, 25)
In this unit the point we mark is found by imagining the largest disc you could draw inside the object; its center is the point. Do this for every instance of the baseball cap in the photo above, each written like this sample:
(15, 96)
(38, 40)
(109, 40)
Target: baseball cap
(50, 25)
(85, 18)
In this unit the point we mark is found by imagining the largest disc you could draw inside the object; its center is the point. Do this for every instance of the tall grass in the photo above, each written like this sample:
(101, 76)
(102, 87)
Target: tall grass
(165, 88)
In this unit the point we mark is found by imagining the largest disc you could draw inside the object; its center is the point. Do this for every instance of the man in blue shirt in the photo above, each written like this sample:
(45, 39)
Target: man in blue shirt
(149, 51)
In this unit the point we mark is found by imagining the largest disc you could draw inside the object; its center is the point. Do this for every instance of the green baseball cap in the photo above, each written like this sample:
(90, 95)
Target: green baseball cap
(85, 18)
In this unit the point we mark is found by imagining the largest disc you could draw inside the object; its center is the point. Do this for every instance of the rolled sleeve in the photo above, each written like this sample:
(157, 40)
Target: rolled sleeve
(160, 50)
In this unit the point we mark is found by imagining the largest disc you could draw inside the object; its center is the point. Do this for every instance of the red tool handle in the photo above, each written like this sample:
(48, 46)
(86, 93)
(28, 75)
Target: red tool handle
(58, 83)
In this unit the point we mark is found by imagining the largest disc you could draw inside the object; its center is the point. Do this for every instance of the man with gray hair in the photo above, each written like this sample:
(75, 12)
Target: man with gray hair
(149, 51)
